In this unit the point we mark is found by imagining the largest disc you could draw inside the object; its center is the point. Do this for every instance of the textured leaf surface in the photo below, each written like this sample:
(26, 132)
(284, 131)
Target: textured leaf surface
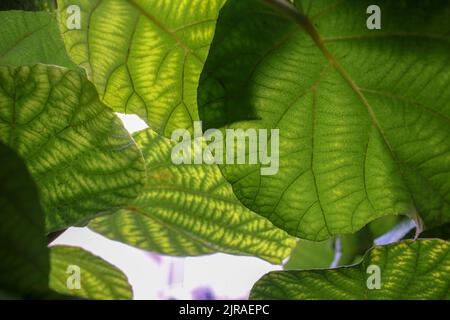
(363, 114)
(79, 154)
(32, 37)
(409, 270)
(99, 280)
(145, 57)
(190, 210)
(24, 260)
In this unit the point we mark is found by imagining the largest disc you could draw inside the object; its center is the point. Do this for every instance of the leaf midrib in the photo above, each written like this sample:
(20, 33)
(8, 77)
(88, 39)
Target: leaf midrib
(305, 23)
(308, 26)
(428, 36)
(414, 214)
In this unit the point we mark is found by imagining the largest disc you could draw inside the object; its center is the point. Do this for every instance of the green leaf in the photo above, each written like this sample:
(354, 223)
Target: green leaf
(363, 114)
(24, 256)
(311, 255)
(99, 280)
(82, 159)
(32, 37)
(409, 270)
(145, 57)
(189, 210)
(24, 260)
(32, 5)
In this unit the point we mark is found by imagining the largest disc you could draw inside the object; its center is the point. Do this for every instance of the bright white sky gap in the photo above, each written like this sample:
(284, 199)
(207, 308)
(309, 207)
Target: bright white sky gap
(228, 276)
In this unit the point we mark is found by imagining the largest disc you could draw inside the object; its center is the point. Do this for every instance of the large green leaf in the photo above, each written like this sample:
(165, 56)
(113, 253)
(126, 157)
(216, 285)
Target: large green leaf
(24, 260)
(409, 270)
(190, 210)
(99, 280)
(145, 57)
(79, 154)
(363, 114)
(31, 37)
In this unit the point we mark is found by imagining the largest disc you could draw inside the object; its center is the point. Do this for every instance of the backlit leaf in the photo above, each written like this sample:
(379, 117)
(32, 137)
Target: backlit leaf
(363, 114)
(190, 210)
(99, 280)
(82, 159)
(145, 57)
(408, 270)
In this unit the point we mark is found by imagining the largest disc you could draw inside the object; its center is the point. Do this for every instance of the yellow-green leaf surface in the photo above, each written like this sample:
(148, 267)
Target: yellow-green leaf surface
(190, 210)
(31, 37)
(145, 57)
(99, 280)
(363, 114)
(408, 270)
(24, 259)
(82, 159)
